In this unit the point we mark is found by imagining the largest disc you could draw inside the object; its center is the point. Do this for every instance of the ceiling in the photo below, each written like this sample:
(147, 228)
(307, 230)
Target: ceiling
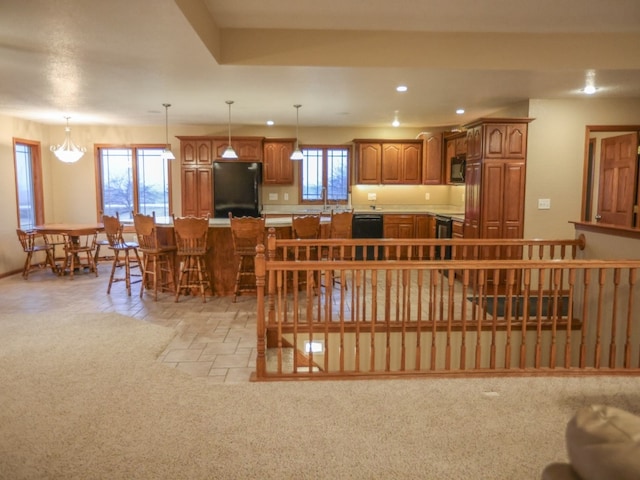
(117, 62)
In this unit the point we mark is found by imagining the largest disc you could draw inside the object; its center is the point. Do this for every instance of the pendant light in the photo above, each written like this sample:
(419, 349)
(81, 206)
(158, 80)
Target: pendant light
(297, 153)
(229, 151)
(68, 152)
(167, 154)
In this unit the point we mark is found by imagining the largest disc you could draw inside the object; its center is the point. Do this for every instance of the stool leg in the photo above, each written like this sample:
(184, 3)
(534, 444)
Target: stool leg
(113, 269)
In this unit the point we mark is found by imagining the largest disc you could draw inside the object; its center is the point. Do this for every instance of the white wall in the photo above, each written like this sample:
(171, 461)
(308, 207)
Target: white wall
(555, 158)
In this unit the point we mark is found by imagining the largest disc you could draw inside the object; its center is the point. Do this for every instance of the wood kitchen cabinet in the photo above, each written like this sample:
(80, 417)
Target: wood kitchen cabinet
(398, 226)
(495, 178)
(197, 155)
(277, 166)
(368, 162)
(455, 146)
(388, 162)
(196, 176)
(248, 148)
(401, 163)
(433, 159)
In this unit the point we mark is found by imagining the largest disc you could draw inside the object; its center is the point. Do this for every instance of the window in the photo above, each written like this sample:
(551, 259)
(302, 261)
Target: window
(134, 179)
(28, 183)
(324, 170)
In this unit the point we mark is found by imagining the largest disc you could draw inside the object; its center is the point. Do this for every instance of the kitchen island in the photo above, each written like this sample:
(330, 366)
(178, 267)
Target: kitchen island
(222, 263)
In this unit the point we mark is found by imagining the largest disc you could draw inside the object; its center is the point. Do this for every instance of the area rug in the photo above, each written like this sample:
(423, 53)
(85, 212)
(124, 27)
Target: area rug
(83, 397)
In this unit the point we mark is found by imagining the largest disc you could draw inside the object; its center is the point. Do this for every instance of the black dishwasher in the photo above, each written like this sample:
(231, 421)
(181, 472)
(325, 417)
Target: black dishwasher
(367, 225)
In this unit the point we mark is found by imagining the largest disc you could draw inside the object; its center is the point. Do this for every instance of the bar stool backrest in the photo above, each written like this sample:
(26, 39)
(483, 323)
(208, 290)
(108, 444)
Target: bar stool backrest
(191, 235)
(246, 234)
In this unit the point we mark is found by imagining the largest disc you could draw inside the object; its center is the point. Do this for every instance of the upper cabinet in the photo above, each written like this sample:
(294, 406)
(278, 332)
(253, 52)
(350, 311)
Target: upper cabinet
(432, 163)
(389, 162)
(505, 141)
(277, 168)
(248, 148)
(196, 152)
(368, 162)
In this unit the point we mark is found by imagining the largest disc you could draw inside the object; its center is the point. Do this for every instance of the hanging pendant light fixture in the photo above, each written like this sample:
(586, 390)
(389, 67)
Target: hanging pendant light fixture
(229, 151)
(68, 152)
(167, 154)
(297, 153)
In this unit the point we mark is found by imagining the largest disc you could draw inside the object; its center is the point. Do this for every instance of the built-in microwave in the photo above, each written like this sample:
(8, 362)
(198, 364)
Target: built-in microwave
(457, 167)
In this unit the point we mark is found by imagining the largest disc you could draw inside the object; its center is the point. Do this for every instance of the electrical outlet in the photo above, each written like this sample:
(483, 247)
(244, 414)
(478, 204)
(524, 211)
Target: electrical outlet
(286, 196)
(544, 203)
(371, 196)
(273, 196)
(427, 196)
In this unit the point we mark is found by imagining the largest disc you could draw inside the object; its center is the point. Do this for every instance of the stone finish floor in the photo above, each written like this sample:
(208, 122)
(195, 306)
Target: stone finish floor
(215, 339)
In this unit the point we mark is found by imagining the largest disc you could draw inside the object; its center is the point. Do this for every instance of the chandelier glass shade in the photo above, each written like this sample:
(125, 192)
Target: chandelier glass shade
(229, 152)
(297, 153)
(68, 152)
(167, 154)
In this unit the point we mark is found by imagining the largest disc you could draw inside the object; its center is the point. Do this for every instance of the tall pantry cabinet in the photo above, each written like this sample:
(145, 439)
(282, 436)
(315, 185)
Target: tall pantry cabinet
(495, 178)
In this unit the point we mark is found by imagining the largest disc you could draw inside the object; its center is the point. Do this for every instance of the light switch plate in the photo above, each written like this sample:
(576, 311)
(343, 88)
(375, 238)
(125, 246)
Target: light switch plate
(427, 196)
(273, 196)
(371, 196)
(544, 203)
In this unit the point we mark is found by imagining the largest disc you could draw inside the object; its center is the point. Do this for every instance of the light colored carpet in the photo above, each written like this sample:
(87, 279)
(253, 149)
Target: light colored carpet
(82, 397)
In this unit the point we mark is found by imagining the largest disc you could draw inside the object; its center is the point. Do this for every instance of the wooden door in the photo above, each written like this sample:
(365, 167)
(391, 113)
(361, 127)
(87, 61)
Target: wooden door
(618, 173)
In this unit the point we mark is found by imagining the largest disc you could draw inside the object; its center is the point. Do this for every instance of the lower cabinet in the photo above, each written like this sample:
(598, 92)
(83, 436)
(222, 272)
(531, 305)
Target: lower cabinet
(398, 226)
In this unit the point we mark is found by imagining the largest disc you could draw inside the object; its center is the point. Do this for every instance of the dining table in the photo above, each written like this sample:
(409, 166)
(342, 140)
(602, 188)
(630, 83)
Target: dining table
(73, 230)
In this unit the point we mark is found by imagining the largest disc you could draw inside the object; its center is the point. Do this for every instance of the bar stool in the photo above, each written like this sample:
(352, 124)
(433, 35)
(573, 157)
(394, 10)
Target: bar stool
(113, 231)
(341, 227)
(33, 242)
(306, 227)
(246, 234)
(191, 242)
(157, 263)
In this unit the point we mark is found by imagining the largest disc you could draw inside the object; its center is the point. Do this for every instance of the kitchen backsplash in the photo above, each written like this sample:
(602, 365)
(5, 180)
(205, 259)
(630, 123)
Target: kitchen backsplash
(384, 195)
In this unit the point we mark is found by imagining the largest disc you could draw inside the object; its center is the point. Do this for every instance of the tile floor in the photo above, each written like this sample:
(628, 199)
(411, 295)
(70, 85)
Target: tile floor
(215, 339)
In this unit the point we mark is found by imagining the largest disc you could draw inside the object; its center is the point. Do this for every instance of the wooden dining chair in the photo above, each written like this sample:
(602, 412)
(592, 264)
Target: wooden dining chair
(80, 244)
(246, 234)
(158, 258)
(32, 243)
(191, 234)
(129, 250)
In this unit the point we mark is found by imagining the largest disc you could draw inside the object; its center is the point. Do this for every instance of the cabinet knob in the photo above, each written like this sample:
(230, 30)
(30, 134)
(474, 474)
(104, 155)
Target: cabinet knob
(598, 217)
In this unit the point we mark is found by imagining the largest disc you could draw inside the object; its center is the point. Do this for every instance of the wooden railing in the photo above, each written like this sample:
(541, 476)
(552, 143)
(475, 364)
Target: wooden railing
(419, 314)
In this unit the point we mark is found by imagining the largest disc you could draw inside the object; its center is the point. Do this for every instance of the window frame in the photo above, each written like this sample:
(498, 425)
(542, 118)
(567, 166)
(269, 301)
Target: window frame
(325, 148)
(134, 147)
(36, 179)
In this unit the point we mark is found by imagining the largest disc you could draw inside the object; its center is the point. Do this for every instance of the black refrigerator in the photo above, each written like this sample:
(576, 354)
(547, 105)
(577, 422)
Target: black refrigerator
(236, 189)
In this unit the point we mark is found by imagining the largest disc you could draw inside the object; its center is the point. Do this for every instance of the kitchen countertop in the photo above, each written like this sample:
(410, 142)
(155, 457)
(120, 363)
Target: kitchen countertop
(280, 215)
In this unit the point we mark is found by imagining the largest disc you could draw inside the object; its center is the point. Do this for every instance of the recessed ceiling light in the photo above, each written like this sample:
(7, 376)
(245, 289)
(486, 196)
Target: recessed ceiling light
(396, 123)
(589, 90)
(401, 88)
(270, 122)
(460, 111)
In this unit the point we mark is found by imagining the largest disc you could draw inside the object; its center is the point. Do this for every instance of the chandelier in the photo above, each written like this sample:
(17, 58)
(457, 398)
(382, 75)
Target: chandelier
(68, 152)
